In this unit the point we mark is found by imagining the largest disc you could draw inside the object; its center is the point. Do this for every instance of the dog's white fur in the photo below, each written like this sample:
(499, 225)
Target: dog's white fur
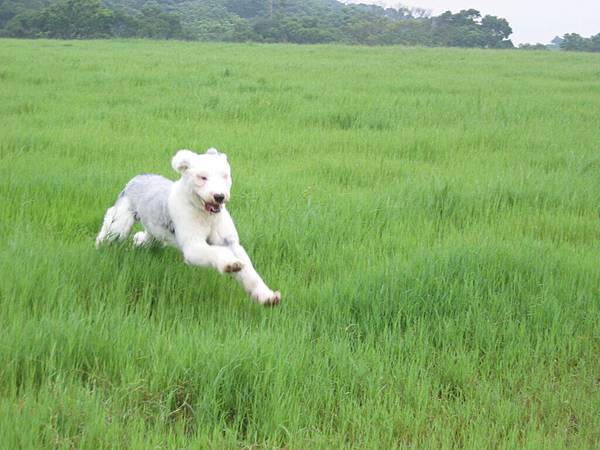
(190, 215)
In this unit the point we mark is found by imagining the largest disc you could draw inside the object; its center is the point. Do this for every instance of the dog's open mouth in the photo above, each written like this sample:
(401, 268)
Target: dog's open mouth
(212, 208)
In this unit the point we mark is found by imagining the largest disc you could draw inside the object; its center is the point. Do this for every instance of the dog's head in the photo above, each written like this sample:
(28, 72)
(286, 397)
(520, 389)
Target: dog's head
(207, 177)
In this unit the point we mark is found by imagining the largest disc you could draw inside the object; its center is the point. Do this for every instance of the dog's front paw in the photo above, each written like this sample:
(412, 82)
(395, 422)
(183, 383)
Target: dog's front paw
(140, 238)
(267, 297)
(232, 266)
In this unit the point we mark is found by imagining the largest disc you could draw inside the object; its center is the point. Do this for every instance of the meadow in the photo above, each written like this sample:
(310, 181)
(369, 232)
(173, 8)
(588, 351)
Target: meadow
(431, 217)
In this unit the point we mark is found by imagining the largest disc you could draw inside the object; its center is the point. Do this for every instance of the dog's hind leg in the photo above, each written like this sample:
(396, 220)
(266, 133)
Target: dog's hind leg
(118, 221)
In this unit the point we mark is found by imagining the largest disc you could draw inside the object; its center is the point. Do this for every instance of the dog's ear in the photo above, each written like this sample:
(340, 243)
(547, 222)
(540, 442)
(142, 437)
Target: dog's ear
(182, 160)
(214, 151)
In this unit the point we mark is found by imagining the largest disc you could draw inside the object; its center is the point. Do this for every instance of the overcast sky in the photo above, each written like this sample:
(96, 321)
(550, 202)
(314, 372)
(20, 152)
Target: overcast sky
(531, 20)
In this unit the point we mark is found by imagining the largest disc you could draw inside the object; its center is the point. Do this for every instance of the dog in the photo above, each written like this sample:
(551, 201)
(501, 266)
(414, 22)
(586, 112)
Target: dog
(188, 214)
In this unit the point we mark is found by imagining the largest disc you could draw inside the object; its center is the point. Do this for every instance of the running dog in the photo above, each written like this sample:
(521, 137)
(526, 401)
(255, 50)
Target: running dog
(188, 214)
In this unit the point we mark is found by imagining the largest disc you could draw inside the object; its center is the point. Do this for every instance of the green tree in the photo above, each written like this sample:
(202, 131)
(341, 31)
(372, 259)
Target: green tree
(468, 29)
(249, 8)
(157, 24)
(25, 25)
(577, 43)
(12, 8)
(594, 44)
(573, 42)
(497, 31)
(537, 46)
(123, 25)
(76, 19)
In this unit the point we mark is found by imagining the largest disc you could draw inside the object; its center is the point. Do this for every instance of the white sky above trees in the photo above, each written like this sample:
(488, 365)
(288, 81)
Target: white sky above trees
(531, 20)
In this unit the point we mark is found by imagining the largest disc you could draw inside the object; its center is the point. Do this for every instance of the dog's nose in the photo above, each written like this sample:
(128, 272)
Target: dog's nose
(219, 198)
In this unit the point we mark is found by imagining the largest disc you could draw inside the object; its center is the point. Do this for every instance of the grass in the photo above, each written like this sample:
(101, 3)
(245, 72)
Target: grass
(431, 217)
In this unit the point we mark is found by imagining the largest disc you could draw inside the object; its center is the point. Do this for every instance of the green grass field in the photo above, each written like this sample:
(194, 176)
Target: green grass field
(431, 217)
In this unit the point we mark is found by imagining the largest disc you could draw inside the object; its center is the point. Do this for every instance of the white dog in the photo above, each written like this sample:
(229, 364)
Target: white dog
(188, 214)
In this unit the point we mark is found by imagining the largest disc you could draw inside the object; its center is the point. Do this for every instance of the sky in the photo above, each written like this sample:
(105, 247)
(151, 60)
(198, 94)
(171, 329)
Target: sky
(531, 20)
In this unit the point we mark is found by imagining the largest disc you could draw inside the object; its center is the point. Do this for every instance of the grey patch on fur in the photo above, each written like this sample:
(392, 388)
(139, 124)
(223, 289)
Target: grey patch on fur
(149, 195)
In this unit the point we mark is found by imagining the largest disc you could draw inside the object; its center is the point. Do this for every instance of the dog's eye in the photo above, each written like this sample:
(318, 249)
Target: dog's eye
(202, 178)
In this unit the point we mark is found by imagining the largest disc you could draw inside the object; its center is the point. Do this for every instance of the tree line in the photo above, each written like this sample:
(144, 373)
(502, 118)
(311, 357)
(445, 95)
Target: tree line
(85, 19)
(293, 21)
(577, 43)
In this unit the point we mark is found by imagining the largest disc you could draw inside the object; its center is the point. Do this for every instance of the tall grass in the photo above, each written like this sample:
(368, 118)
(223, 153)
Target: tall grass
(431, 217)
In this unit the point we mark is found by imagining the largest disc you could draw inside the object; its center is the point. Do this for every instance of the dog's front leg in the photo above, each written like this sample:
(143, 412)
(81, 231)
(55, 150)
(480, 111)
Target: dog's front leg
(251, 281)
(225, 235)
(205, 255)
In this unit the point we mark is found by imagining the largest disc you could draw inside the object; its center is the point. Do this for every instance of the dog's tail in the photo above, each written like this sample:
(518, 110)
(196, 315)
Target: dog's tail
(117, 223)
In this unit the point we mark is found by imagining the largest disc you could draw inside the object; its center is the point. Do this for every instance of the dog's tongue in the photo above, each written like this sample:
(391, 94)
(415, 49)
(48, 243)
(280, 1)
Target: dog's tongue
(212, 207)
